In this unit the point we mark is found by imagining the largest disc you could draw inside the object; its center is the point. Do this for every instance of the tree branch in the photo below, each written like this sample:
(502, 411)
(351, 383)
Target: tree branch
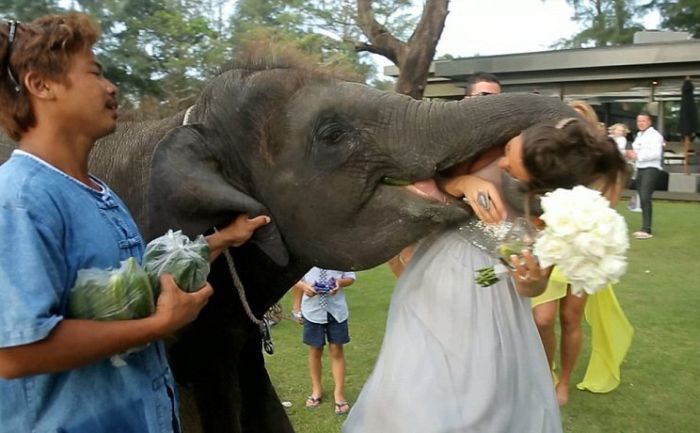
(413, 75)
(432, 22)
(382, 51)
(413, 57)
(381, 41)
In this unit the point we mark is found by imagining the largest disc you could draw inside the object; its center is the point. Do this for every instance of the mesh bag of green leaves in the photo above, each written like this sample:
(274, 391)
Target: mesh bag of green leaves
(174, 253)
(112, 294)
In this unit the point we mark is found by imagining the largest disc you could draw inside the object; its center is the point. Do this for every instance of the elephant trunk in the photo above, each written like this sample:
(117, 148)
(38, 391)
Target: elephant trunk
(443, 134)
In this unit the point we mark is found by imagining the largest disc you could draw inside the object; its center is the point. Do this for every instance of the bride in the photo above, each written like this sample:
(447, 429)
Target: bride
(458, 357)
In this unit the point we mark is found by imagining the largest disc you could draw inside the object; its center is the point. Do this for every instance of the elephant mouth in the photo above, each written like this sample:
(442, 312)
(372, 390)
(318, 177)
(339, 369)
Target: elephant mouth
(427, 188)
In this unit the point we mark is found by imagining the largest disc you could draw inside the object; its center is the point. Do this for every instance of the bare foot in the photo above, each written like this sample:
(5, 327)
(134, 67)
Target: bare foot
(562, 390)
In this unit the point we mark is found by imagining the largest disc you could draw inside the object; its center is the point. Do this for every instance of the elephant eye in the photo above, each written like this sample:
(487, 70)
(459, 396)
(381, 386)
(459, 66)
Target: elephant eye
(333, 134)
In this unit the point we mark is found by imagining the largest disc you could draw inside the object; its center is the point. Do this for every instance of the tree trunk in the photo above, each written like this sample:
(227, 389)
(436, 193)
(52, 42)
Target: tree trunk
(413, 58)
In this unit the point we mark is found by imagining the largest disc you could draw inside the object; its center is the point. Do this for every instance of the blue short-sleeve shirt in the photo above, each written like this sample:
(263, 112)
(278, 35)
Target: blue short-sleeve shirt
(51, 226)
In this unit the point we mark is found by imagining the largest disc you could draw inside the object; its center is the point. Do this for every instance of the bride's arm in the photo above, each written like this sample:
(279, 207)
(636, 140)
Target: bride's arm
(468, 186)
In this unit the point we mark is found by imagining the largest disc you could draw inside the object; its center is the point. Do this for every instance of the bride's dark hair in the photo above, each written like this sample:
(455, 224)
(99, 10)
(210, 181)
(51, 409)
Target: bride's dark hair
(571, 153)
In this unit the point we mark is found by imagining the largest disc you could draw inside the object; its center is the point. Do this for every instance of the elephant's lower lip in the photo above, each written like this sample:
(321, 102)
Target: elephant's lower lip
(428, 189)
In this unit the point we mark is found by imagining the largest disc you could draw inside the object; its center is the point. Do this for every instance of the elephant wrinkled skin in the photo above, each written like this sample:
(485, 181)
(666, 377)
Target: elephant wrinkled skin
(314, 153)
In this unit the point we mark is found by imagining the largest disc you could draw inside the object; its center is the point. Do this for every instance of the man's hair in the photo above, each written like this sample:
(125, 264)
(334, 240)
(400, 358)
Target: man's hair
(478, 77)
(44, 46)
(645, 113)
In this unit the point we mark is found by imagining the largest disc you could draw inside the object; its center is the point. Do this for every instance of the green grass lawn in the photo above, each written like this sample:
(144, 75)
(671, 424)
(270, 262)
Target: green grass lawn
(660, 378)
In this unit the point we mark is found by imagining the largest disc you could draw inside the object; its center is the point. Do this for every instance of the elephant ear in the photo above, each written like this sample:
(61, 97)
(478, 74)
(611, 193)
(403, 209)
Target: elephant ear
(188, 192)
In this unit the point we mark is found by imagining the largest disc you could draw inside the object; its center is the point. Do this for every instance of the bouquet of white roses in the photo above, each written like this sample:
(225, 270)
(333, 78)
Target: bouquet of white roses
(584, 237)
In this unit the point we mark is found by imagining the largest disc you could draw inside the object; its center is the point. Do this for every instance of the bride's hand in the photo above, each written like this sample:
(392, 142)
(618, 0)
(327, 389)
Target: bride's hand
(481, 195)
(530, 278)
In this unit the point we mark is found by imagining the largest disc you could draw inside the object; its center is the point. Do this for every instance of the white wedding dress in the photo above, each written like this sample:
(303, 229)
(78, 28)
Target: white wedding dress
(457, 357)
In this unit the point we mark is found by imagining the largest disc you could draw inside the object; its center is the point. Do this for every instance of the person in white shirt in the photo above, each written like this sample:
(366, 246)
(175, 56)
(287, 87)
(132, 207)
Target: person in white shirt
(325, 315)
(647, 152)
(618, 132)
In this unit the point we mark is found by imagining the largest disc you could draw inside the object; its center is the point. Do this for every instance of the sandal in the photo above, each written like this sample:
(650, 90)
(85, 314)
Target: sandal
(313, 402)
(342, 407)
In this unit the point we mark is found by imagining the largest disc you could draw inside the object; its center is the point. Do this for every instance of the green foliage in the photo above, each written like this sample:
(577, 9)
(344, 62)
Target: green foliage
(160, 52)
(325, 29)
(604, 22)
(679, 15)
(163, 49)
(660, 374)
(385, 85)
(26, 10)
(614, 22)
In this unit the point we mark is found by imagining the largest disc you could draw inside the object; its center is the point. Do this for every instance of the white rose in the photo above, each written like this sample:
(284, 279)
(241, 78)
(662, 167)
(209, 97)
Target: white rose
(613, 267)
(590, 244)
(561, 224)
(576, 267)
(620, 232)
(550, 250)
(606, 225)
(589, 283)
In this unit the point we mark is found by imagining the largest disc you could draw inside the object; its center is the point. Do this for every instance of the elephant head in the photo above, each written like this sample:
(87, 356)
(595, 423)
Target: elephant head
(345, 171)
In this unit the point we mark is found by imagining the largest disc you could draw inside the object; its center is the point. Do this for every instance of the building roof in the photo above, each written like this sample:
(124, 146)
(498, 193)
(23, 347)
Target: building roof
(638, 72)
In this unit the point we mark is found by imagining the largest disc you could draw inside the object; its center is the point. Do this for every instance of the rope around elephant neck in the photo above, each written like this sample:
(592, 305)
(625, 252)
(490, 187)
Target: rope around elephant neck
(263, 326)
(239, 287)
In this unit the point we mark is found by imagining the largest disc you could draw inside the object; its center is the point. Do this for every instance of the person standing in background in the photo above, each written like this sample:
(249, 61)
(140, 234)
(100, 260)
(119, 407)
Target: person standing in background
(325, 314)
(647, 153)
(482, 84)
(618, 132)
(602, 311)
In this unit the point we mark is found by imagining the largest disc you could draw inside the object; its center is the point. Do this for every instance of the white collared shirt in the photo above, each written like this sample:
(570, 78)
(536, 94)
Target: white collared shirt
(649, 145)
(316, 311)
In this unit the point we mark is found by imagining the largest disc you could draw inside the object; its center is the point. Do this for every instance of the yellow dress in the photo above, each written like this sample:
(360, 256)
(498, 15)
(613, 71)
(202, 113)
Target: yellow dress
(611, 333)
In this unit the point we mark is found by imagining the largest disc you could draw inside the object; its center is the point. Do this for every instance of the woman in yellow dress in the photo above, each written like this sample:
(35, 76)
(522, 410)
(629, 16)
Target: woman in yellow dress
(611, 332)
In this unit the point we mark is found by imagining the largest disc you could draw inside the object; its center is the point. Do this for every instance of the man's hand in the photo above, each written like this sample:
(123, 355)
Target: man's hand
(175, 308)
(235, 234)
(241, 229)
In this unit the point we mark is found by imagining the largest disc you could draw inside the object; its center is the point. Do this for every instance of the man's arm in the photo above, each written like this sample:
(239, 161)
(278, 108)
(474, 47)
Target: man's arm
(234, 234)
(75, 343)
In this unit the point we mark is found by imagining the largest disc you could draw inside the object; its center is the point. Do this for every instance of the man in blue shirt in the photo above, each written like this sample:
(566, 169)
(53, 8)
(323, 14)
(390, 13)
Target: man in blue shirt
(55, 219)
